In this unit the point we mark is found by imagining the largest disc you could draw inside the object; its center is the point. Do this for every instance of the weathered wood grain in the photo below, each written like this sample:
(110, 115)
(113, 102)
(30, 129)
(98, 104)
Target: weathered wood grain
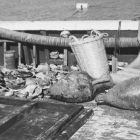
(15, 116)
(48, 134)
(71, 127)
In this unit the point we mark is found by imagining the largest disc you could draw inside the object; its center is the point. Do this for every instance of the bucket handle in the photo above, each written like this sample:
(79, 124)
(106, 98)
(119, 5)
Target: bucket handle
(105, 34)
(84, 36)
(97, 33)
(72, 37)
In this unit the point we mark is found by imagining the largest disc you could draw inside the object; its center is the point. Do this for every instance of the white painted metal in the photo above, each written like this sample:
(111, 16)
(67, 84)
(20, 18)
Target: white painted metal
(70, 25)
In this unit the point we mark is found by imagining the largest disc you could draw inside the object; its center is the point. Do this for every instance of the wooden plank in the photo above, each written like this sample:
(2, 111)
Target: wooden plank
(15, 116)
(6, 109)
(26, 54)
(13, 101)
(65, 57)
(54, 129)
(55, 105)
(71, 127)
(46, 104)
(34, 56)
(46, 51)
(139, 32)
(116, 50)
(3, 40)
(19, 53)
(48, 134)
(65, 114)
(5, 48)
(114, 64)
(71, 59)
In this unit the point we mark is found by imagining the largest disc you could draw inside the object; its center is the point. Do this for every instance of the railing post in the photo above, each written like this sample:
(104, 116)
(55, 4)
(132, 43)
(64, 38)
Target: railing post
(47, 52)
(4, 49)
(65, 57)
(136, 62)
(19, 53)
(116, 49)
(34, 56)
(139, 32)
(26, 54)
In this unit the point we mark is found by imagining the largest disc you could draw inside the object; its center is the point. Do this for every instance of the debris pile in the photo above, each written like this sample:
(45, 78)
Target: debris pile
(56, 54)
(49, 81)
(29, 82)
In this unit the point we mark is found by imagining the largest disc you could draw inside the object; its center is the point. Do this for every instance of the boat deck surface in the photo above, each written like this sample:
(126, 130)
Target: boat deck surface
(39, 120)
(109, 123)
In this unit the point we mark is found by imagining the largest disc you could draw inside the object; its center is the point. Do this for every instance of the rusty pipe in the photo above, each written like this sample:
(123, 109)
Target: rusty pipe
(32, 38)
(60, 42)
(124, 42)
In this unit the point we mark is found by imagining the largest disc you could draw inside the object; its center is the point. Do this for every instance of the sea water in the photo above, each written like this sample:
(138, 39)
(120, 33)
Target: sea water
(66, 9)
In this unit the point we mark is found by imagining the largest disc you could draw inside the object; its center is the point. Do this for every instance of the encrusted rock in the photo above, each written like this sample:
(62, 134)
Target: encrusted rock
(74, 87)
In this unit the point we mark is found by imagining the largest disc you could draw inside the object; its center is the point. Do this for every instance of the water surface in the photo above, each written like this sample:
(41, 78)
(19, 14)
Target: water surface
(65, 9)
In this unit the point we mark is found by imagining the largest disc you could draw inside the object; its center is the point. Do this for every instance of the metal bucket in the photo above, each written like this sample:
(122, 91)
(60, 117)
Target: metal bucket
(9, 59)
(90, 54)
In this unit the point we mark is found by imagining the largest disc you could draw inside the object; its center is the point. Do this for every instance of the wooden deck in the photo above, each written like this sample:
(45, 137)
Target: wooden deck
(39, 120)
(109, 123)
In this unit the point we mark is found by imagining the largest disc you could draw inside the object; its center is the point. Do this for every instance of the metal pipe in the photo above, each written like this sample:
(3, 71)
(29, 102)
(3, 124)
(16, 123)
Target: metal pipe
(58, 41)
(33, 39)
(123, 42)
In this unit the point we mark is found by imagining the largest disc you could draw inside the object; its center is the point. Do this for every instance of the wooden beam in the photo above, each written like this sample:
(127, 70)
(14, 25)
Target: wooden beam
(53, 130)
(47, 54)
(3, 40)
(15, 116)
(46, 51)
(114, 64)
(26, 54)
(65, 57)
(4, 49)
(34, 56)
(71, 127)
(13, 101)
(116, 50)
(139, 32)
(48, 134)
(19, 54)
